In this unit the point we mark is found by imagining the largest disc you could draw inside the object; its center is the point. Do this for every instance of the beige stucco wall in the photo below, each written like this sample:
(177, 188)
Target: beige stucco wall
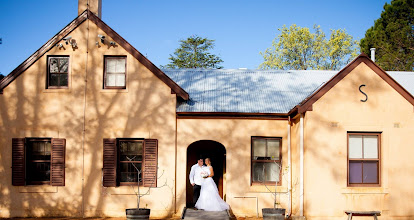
(295, 166)
(146, 109)
(235, 135)
(326, 192)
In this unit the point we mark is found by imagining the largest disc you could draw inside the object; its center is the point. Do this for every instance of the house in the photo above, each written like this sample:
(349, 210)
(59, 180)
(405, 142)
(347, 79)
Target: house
(75, 112)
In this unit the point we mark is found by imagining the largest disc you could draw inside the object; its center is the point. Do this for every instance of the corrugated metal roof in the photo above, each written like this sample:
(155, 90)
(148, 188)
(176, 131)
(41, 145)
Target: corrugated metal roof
(405, 79)
(254, 91)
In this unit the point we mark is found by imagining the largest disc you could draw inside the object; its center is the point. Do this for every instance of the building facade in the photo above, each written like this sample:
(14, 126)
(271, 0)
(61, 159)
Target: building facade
(84, 110)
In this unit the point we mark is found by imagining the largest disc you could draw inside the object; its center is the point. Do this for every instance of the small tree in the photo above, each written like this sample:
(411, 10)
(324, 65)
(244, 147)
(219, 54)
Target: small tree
(279, 168)
(193, 53)
(137, 192)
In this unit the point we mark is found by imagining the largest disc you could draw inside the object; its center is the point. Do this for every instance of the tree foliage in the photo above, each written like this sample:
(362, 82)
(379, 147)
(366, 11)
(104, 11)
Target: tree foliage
(393, 36)
(194, 53)
(298, 48)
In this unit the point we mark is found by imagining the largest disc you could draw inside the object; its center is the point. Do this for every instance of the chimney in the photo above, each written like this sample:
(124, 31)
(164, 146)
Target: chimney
(373, 54)
(95, 6)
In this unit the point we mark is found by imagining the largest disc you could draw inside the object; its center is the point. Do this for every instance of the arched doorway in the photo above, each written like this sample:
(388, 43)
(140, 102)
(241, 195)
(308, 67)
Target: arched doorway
(217, 153)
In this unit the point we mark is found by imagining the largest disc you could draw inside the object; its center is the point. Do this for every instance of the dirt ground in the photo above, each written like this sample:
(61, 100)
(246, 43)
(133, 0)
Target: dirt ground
(176, 218)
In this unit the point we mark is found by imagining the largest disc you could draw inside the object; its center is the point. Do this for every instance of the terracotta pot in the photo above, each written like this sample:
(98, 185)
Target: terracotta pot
(273, 214)
(137, 213)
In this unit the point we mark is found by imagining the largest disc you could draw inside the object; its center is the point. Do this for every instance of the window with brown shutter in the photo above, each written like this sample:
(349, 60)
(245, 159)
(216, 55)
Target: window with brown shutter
(38, 161)
(109, 162)
(18, 165)
(150, 162)
(130, 161)
(122, 158)
(58, 162)
(38, 157)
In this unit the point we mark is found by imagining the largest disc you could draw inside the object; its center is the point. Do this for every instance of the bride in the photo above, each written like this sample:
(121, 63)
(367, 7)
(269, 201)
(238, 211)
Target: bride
(210, 199)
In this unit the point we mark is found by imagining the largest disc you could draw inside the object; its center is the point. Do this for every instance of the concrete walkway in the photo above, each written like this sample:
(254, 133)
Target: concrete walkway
(191, 214)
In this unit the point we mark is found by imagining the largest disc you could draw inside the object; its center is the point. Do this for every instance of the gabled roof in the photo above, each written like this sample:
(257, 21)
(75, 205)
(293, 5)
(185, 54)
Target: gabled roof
(237, 92)
(363, 58)
(246, 91)
(175, 88)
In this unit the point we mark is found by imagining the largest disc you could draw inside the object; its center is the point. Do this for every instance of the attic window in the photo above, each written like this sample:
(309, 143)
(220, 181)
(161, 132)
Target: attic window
(115, 72)
(58, 72)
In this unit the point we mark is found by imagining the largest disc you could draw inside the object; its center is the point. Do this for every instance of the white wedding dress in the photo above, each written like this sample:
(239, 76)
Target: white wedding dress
(210, 199)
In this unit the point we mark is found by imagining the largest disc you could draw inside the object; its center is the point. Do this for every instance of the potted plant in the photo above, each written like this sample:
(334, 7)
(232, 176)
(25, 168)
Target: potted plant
(138, 213)
(274, 213)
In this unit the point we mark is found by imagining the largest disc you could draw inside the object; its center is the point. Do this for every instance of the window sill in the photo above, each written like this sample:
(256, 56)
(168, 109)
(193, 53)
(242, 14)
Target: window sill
(114, 90)
(38, 189)
(364, 190)
(62, 90)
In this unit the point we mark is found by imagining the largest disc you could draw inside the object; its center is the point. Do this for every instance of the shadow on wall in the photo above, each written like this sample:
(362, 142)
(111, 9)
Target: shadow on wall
(32, 109)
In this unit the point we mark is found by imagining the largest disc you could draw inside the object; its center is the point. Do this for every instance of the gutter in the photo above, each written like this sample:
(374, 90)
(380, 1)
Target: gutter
(289, 168)
(301, 155)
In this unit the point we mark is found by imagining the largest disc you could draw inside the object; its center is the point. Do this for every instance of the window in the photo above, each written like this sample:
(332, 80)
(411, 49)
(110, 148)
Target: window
(115, 72)
(364, 159)
(58, 71)
(122, 156)
(130, 160)
(38, 161)
(266, 160)
(38, 153)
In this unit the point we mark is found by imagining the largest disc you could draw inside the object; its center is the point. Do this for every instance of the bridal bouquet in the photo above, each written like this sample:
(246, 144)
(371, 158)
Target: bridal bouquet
(204, 174)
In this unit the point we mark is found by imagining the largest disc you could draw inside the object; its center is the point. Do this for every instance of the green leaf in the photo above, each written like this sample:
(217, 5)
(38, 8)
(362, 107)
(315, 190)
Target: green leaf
(300, 49)
(194, 53)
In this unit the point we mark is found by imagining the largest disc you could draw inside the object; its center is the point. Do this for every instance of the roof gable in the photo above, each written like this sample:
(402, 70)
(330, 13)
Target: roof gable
(175, 88)
(42, 50)
(306, 104)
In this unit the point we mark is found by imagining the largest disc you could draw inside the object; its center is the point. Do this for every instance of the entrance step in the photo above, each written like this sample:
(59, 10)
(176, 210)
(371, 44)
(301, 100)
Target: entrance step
(191, 214)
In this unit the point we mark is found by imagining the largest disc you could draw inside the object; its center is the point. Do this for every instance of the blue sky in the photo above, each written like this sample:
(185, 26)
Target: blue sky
(241, 28)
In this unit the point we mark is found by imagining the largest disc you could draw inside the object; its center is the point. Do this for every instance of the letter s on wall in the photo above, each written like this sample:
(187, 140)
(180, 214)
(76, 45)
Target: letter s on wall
(366, 96)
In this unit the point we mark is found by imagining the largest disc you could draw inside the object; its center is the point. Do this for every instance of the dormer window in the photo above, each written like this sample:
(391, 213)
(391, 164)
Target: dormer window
(57, 72)
(115, 72)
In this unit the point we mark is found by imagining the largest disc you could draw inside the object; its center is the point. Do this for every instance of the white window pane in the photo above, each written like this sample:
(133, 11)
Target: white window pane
(272, 171)
(259, 148)
(355, 146)
(120, 65)
(63, 65)
(53, 65)
(370, 147)
(110, 79)
(120, 79)
(273, 149)
(258, 172)
(110, 65)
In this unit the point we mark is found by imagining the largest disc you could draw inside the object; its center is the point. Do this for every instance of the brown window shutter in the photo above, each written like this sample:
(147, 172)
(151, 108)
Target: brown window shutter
(18, 162)
(109, 162)
(150, 162)
(57, 177)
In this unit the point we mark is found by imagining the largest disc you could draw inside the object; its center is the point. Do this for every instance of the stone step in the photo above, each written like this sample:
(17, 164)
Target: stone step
(191, 214)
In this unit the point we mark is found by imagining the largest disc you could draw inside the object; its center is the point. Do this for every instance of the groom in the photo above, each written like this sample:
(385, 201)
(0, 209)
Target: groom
(196, 179)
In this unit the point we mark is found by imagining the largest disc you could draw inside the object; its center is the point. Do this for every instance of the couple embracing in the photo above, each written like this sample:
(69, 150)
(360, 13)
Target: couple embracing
(206, 195)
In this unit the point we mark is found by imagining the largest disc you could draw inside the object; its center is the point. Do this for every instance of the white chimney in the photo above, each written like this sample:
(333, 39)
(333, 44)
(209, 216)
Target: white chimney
(95, 6)
(373, 54)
